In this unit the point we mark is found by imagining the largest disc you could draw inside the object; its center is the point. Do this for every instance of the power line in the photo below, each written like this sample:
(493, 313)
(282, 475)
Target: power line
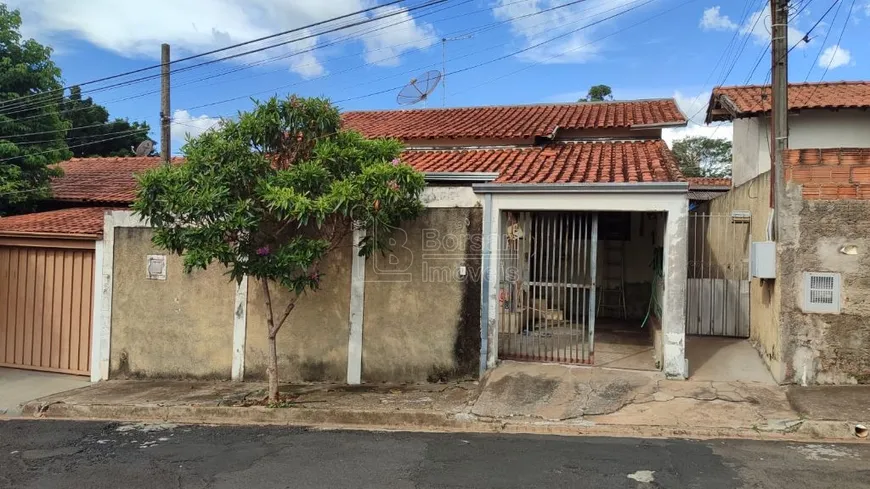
(23, 108)
(510, 55)
(352, 36)
(215, 51)
(839, 4)
(61, 149)
(581, 46)
(837, 47)
(475, 30)
(414, 70)
(805, 38)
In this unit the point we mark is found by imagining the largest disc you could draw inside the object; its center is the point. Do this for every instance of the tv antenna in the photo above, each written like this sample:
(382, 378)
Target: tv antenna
(444, 41)
(418, 89)
(144, 148)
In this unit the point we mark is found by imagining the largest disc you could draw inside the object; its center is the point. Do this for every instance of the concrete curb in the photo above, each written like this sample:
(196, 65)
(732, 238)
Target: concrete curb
(419, 421)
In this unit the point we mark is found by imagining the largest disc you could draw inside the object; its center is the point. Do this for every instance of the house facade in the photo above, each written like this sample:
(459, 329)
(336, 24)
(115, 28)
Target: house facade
(821, 116)
(809, 308)
(552, 233)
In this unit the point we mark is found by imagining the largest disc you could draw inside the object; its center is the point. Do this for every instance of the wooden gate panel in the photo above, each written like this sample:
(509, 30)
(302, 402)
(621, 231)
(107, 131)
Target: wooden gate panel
(47, 300)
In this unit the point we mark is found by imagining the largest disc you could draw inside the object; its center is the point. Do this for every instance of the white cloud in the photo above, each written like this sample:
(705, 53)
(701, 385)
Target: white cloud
(133, 29)
(695, 108)
(758, 25)
(715, 21)
(573, 47)
(834, 57)
(383, 47)
(185, 125)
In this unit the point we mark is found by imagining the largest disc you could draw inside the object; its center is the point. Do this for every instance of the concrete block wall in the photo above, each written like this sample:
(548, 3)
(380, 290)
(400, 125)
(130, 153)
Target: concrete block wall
(827, 208)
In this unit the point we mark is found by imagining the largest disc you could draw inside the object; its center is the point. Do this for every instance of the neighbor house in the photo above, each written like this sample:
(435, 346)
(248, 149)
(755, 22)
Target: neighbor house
(810, 286)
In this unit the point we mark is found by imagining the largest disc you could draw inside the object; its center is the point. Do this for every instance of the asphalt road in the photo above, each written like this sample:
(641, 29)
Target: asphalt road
(63, 454)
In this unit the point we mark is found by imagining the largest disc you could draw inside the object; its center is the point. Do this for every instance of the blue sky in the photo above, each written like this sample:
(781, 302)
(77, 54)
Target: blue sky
(650, 48)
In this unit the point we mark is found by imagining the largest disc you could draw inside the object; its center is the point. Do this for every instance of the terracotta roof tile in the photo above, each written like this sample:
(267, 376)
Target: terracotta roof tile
(703, 182)
(507, 122)
(82, 222)
(590, 162)
(755, 99)
(101, 180)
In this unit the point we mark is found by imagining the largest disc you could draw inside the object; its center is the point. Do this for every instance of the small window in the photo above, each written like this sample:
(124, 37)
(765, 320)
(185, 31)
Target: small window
(822, 292)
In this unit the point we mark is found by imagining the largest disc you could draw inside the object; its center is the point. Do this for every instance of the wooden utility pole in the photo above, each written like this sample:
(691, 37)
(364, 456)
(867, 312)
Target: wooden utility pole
(165, 135)
(779, 104)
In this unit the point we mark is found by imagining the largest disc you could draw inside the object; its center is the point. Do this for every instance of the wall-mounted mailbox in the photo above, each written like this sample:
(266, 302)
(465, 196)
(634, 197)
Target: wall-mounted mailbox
(763, 259)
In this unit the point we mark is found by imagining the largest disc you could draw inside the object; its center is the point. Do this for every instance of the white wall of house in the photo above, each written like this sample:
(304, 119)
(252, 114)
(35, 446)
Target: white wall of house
(848, 128)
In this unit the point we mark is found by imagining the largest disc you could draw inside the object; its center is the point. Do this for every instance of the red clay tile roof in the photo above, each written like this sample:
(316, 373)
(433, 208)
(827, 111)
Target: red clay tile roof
(111, 181)
(80, 222)
(639, 161)
(752, 100)
(100, 180)
(703, 182)
(520, 121)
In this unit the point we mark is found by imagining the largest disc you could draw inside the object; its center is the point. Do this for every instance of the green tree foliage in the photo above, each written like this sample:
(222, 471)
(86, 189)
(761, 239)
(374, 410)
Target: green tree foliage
(700, 156)
(271, 195)
(32, 130)
(598, 93)
(91, 133)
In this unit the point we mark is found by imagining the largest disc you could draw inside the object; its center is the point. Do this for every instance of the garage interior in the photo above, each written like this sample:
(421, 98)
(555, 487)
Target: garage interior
(581, 287)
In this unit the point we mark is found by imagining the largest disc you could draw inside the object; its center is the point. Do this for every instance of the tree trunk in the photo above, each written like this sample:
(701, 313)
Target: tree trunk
(272, 369)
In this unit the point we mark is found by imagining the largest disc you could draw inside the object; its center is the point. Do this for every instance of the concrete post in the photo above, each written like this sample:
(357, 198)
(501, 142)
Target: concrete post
(675, 263)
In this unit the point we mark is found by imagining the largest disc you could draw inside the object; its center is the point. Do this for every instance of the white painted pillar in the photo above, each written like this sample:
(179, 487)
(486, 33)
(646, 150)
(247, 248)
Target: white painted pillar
(240, 330)
(97, 313)
(357, 301)
(675, 263)
(102, 329)
(494, 238)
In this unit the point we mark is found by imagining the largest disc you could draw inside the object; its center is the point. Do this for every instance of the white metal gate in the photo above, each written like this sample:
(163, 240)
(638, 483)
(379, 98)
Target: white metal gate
(547, 270)
(717, 293)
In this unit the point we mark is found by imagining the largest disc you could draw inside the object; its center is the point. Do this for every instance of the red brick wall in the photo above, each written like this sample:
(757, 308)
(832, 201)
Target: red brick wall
(830, 174)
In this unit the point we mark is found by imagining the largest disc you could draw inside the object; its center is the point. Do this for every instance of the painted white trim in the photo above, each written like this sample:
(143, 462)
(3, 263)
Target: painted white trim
(97, 313)
(104, 256)
(675, 255)
(357, 306)
(240, 329)
(449, 196)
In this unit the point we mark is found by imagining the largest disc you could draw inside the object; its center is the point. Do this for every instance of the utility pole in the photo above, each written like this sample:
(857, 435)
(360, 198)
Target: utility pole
(165, 135)
(779, 105)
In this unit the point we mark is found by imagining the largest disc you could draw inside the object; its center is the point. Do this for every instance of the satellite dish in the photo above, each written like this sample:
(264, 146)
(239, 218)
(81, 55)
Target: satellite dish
(418, 89)
(144, 148)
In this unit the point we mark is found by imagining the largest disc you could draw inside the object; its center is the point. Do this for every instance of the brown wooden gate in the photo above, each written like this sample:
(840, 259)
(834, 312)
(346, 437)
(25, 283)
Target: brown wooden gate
(46, 301)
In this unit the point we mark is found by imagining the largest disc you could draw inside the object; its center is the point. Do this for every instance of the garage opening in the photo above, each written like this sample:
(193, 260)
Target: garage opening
(581, 287)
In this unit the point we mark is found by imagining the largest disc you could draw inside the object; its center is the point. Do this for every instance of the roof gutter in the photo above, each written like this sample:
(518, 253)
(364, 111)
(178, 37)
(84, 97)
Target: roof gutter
(657, 125)
(584, 188)
(453, 176)
(711, 188)
(27, 234)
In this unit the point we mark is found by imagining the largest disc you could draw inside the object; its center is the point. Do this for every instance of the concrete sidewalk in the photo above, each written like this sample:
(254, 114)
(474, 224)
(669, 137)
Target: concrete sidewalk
(515, 397)
(17, 387)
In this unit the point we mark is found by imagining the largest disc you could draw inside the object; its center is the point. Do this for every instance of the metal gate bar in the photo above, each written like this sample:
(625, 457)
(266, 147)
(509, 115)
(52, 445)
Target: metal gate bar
(717, 293)
(547, 269)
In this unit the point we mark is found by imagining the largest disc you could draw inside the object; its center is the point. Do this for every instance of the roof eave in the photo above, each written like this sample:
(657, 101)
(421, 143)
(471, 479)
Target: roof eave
(30, 234)
(586, 187)
(451, 176)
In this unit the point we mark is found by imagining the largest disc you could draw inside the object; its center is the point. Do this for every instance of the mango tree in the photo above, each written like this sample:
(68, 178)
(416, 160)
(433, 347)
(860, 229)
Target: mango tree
(272, 195)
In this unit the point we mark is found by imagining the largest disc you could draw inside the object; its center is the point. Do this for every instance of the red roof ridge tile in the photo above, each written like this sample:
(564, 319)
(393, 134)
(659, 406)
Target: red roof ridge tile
(512, 106)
